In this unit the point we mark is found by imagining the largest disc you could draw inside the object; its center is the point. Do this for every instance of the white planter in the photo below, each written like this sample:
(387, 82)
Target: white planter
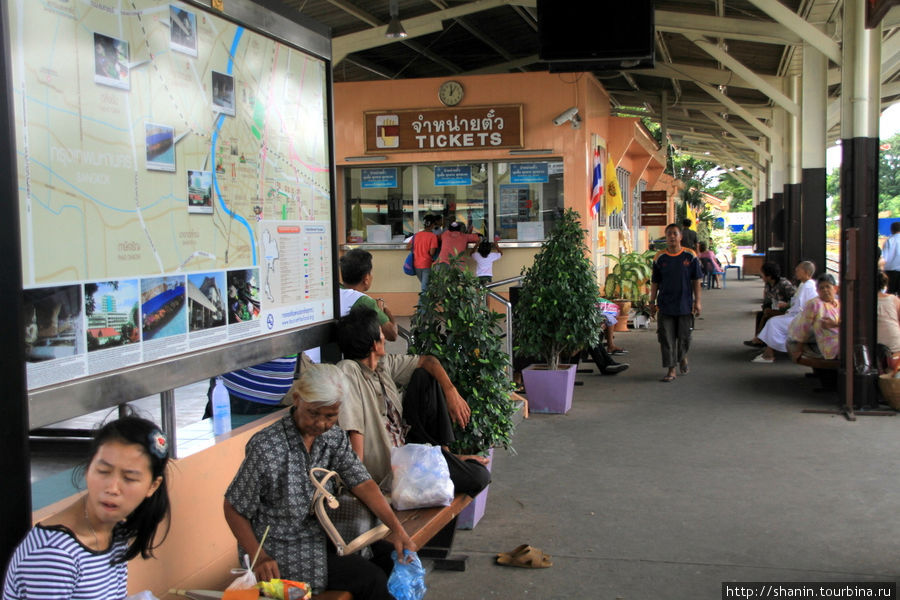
(641, 321)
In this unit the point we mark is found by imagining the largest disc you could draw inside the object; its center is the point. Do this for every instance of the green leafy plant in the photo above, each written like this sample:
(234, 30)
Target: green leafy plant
(556, 311)
(628, 278)
(454, 324)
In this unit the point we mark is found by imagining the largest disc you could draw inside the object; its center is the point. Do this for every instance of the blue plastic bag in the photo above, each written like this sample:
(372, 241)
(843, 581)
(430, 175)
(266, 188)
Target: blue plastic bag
(408, 267)
(407, 580)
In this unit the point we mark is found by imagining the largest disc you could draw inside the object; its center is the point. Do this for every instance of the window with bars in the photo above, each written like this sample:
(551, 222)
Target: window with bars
(636, 205)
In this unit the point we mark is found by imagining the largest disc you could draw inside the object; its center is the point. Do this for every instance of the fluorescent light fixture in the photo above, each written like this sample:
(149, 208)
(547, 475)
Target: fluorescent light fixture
(395, 28)
(531, 151)
(364, 158)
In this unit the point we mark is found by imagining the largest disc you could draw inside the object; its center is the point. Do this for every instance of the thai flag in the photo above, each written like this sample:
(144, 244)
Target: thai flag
(597, 184)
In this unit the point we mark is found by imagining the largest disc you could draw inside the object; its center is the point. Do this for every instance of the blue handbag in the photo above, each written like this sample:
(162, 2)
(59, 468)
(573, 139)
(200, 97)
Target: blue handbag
(408, 267)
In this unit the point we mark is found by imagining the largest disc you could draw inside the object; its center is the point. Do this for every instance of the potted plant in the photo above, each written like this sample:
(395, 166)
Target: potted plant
(642, 312)
(626, 283)
(556, 314)
(454, 323)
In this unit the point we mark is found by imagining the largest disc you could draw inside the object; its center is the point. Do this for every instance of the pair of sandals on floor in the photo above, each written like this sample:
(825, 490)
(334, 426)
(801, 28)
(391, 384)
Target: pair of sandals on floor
(683, 366)
(525, 556)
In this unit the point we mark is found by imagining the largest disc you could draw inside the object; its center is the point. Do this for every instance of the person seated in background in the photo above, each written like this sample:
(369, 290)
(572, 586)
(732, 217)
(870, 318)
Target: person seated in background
(83, 551)
(815, 329)
(774, 333)
(377, 419)
(602, 353)
(272, 489)
(887, 313)
(776, 299)
(710, 262)
(356, 275)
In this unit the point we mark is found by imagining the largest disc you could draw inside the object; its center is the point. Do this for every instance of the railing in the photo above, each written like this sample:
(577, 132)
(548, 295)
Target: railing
(406, 334)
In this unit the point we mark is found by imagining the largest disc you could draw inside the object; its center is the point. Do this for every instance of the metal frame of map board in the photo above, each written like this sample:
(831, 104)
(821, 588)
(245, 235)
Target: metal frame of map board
(57, 402)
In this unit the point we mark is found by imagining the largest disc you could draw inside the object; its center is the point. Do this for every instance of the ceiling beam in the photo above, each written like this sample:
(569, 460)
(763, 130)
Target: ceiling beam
(505, 66)
(374, 37)
(809, 32)
(758, 148)
(706, 74)
(725, 27)
(735, 65)
(740, 111)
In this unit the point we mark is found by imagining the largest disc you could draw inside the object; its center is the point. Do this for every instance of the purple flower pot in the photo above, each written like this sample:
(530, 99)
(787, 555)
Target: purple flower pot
(549, 391)
(472, 513)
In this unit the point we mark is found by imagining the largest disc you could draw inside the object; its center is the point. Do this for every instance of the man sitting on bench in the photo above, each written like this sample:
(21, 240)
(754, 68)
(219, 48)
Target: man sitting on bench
(377, 419)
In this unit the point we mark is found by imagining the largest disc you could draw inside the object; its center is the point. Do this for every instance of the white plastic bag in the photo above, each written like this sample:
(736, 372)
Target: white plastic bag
(247, 579)
(421, 477)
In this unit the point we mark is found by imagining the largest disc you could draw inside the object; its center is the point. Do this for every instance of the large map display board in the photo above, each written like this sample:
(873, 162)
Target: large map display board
(173, 183)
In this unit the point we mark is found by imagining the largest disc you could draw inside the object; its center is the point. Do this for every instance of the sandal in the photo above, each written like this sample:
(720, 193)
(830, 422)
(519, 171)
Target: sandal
(525, 556)
(668, 378)
(683, 366)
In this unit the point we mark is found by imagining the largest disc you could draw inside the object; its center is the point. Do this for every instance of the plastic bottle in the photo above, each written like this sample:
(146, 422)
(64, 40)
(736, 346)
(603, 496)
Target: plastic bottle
(221, 408)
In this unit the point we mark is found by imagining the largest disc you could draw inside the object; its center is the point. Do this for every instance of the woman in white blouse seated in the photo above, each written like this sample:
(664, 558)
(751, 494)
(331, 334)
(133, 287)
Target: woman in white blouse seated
(774, 334)
(82, 551)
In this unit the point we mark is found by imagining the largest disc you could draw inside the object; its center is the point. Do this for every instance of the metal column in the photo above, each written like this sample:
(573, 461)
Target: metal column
(860, 108)
(15, 461)
(814, 142)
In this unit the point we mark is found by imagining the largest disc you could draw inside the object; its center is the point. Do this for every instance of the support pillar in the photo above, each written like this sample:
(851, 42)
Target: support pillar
(860, 109)
(814, 143)
(793, 188)
(15, 462)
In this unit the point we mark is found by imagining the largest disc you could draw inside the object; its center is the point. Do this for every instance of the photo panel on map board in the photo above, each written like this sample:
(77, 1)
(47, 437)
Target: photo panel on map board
(111, 60)
(223, 93)
(183, 30)
(243, 295)
(206, 300)
(113, 314)
(160, 146)
(54, 324)
(200, 192)
(163, 307)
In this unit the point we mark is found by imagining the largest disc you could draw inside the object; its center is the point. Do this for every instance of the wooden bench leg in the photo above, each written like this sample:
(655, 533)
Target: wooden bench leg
(438, 549)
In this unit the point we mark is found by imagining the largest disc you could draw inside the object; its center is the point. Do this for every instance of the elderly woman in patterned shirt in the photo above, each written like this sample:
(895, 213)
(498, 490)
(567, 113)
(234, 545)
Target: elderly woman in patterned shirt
(815, 330)
(273, 489)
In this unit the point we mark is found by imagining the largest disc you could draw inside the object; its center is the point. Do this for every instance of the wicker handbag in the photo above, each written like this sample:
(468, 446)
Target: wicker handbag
(343, 516)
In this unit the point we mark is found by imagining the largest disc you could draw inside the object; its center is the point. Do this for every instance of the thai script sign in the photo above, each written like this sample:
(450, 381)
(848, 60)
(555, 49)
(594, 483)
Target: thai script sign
(439, 129)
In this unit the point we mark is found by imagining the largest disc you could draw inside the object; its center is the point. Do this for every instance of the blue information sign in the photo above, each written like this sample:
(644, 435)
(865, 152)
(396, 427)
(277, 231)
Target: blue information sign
(385, 177)
(528, 173)
(453, 175)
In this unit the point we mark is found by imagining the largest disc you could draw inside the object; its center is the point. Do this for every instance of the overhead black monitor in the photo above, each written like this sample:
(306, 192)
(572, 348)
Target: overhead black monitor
(603, 35)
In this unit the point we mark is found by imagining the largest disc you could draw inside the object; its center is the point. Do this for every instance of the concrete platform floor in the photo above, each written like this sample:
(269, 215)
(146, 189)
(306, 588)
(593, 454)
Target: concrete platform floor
(651, 490)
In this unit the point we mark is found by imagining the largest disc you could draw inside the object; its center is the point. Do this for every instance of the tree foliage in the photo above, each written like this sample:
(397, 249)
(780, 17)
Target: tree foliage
(556, 310)
(454, 324)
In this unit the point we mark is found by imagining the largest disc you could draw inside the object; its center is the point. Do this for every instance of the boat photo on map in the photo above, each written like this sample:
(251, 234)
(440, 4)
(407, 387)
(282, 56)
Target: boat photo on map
(223, 93)
(112, 311)
(206, 300)
(243, 295)
(199, 192)
(54, 327)
(183, 30)
(163, 311)
(160, 140)
(111, 59)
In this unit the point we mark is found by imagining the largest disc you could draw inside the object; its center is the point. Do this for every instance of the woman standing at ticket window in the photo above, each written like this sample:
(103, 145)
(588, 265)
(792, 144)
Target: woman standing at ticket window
(424, 246)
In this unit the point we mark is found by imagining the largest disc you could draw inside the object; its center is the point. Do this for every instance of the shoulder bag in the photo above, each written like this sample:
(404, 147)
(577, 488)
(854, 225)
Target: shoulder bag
(408, 266)
(343, 516)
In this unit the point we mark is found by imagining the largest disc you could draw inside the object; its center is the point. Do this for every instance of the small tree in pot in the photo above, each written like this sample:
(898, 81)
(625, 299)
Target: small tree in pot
(556, 313)
(454, 324)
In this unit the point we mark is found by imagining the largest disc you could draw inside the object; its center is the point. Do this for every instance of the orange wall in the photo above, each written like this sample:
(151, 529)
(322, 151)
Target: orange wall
(543, 96)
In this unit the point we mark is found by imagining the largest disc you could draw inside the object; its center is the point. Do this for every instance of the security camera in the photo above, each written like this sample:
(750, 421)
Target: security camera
(569, 115)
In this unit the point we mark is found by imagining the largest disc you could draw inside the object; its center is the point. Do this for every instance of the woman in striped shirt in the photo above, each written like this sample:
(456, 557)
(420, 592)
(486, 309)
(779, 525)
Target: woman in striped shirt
(81, 552)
